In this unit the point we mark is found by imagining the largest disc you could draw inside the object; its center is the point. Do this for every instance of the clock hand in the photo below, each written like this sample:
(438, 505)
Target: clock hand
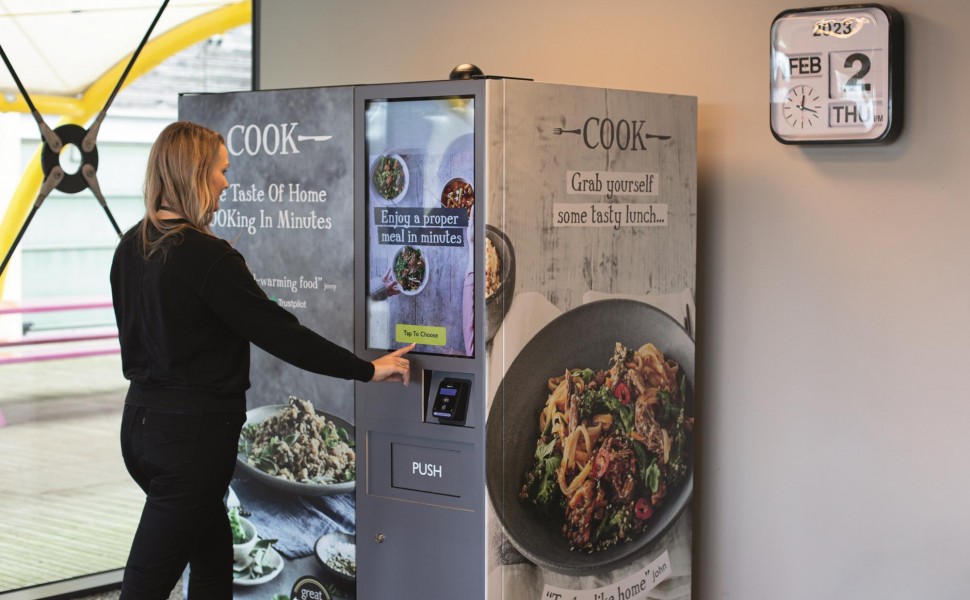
(808, 109)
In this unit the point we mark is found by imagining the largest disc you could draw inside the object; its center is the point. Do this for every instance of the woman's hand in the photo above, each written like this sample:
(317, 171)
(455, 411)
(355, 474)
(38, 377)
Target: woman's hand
(393, 366)
(391, 287)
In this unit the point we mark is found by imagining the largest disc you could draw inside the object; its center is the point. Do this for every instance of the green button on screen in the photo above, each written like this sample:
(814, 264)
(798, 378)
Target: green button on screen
(422, 334)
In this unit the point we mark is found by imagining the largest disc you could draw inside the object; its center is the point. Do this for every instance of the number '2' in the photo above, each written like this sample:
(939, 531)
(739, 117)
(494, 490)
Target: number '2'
(854, 82)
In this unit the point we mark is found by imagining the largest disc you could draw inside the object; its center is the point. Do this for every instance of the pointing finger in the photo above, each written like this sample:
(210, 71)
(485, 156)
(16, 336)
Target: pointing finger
(404, 350)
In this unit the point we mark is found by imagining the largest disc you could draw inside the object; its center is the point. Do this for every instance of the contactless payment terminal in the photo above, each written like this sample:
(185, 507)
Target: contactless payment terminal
(451, 401)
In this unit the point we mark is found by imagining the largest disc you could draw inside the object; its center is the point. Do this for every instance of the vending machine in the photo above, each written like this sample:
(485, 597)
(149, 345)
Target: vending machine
(537, 243)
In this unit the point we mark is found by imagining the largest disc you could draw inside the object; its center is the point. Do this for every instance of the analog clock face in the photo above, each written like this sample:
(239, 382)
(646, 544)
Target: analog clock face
(802, 108)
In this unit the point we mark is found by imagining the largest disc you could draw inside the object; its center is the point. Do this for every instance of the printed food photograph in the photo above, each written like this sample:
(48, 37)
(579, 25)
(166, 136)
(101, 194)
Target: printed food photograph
(337, 554)
(255, 560)
(499, 278)
(596, 417)
(493, 268)
(297, 448)
(611, 442)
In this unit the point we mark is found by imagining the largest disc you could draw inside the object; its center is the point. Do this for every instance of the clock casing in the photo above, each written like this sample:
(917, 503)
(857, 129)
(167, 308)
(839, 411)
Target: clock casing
(837, 75)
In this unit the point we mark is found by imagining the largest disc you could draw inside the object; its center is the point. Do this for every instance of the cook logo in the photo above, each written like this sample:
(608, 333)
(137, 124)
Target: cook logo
(270, 139)
(624, 134)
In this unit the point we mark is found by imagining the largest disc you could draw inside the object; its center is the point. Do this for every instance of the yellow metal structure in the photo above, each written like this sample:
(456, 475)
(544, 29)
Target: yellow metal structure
(80, 110)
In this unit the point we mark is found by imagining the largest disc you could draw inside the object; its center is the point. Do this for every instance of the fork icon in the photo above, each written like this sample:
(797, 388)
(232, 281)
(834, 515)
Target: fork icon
(560, 131)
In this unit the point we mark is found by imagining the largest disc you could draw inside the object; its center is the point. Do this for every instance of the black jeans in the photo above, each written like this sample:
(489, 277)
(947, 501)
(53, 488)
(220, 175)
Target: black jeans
(184, 463)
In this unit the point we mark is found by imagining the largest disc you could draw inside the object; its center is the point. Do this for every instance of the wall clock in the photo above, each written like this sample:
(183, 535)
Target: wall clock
(837, 75)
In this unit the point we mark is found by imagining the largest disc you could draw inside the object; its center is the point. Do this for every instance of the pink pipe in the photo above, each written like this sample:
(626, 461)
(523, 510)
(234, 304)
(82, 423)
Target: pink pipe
(58, 340)
(58, 356)
(54, 307)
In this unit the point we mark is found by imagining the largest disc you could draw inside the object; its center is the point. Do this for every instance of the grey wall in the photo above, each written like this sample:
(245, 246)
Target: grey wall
(833, 282)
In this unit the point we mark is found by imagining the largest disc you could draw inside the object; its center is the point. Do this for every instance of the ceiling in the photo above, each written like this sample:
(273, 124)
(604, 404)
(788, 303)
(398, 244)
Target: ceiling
(61, 47)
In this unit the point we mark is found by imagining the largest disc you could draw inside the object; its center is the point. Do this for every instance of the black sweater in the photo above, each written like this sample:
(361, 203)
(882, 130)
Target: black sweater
(185, 324)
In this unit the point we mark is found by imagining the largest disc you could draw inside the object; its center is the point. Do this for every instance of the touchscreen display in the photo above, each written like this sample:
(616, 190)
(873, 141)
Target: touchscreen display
(420, 220)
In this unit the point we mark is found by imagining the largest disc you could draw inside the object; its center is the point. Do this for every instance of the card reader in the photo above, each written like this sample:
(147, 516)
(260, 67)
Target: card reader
(451, 401)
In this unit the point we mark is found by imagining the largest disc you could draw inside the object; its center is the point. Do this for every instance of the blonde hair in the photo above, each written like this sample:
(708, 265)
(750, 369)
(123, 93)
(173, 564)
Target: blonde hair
(177, 179)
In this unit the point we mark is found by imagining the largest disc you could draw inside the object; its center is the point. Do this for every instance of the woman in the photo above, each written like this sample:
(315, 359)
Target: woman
(187, 309)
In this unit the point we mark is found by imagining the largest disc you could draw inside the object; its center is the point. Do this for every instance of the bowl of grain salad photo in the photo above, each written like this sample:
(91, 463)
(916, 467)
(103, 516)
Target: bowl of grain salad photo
(499, 278)
(298, 449)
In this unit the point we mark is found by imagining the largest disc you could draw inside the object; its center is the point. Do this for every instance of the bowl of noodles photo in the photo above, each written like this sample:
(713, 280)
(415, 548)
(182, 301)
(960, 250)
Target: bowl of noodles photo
(298, 449)
(458, 193)
(589, 440)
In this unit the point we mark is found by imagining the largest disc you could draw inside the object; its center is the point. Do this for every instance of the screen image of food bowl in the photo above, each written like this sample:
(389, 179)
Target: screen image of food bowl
(458, 193)
(410, 270)
(389, 178)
